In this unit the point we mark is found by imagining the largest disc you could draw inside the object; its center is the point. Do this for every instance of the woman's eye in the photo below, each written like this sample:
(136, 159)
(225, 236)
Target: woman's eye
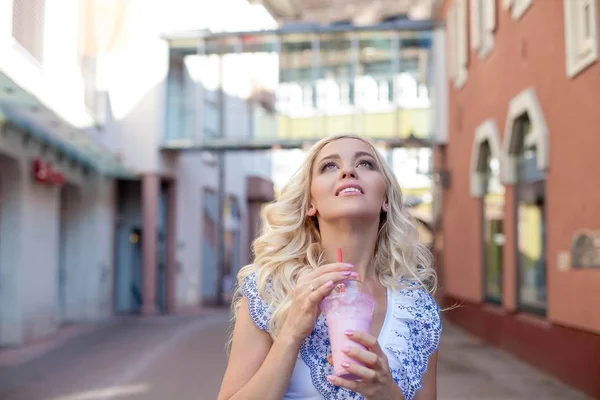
(366, 163)
(327, 166)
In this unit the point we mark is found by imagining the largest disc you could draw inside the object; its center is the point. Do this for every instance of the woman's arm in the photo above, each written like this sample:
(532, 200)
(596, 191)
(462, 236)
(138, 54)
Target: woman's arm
(429, 389)
(259, 368)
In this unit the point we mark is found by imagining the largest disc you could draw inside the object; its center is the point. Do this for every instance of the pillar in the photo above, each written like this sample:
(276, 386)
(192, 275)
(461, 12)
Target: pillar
(171, 245)
(150, 198)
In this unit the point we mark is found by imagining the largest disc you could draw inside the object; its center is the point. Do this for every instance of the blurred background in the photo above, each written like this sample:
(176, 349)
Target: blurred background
(140, 139)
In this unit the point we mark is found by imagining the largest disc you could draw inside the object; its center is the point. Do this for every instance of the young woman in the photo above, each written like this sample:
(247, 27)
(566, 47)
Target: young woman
(344, 196)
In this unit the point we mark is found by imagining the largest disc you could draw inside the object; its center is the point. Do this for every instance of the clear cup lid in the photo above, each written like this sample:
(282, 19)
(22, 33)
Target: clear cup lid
(350, 286)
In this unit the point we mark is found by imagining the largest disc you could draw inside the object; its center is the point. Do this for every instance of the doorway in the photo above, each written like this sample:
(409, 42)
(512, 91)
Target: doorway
(129, 235)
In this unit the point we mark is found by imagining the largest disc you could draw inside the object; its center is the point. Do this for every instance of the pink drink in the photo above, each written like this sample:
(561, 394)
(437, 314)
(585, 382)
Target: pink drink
(350, 308)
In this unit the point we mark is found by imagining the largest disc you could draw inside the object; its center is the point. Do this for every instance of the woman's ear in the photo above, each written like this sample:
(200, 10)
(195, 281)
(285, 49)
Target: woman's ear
(384, 207)
(312, 211)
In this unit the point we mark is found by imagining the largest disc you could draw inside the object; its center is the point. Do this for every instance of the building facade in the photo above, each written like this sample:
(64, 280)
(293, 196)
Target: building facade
(96, 218)
(57, 176)
(518, 240)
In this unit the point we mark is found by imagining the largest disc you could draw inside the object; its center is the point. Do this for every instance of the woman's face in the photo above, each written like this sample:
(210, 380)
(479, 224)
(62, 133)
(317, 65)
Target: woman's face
(347, 181)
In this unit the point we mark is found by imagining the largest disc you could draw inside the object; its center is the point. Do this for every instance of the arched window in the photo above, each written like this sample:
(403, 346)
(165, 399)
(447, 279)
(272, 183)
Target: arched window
(485, 184)
(525, 146)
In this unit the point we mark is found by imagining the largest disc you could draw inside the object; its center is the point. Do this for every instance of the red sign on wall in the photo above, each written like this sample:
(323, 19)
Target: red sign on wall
(44, 172)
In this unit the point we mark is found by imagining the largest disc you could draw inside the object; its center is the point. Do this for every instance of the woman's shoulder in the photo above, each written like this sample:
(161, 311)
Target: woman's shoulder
(251, 287)
(413, 302)
(414, 335)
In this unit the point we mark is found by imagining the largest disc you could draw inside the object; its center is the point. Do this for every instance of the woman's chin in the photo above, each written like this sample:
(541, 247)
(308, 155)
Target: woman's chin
(353, 213)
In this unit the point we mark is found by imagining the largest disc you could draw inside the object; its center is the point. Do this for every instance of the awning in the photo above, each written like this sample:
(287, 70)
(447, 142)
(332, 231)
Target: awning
(25, 111)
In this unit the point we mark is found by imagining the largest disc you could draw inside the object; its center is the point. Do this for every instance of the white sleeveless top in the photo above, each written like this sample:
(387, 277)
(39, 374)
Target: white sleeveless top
(409, 335)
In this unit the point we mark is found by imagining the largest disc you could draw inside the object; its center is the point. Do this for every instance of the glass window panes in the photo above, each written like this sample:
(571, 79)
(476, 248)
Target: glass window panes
(492, 226)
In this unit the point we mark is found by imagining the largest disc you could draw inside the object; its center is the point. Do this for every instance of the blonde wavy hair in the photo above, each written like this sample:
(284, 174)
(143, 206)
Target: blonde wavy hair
(289, 244)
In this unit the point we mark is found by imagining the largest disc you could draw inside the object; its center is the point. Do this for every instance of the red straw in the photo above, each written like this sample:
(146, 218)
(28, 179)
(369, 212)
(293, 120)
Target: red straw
(342, 286)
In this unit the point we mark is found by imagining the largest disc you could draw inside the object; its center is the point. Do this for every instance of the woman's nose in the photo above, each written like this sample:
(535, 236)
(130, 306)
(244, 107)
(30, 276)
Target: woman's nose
(348, 172)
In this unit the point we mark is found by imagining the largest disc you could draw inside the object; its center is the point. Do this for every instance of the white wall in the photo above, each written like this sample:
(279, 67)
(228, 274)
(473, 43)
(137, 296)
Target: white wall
(29, 245)
(58, 81)
(39, 257)
(98, 247)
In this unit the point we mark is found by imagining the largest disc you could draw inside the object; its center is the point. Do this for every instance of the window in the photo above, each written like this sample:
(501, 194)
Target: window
(345, 94)
(530, 199)
(517, 7)
(384, 95)
(486, 185)
(493, 229)
(457, 34)
(581, 34)
(483, 25)
(531, 234)
(308, 97)
(28, 25)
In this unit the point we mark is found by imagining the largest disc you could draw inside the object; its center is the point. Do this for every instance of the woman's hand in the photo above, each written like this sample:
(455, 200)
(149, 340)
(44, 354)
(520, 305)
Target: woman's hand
(310, 289)
(376, 381)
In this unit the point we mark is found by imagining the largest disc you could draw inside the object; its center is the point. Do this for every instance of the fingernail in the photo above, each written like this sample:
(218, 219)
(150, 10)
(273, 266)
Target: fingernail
(328, 284)
(331, 378)
(354, 274)
(349, 332)
(345, 364)
(349, 265)
(346, 349)
(348, 273)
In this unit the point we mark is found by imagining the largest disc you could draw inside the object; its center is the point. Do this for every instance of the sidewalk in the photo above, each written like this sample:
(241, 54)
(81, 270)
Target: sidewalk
(182, 357)
(468, 369)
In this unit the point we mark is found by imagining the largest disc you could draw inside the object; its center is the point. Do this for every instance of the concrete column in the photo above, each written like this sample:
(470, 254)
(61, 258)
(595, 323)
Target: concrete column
(150, 194)
(11, 222)
(171, 245)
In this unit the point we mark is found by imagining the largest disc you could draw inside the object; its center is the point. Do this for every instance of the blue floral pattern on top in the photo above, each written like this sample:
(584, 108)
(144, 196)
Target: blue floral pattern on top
(260, 311)
(413, 335)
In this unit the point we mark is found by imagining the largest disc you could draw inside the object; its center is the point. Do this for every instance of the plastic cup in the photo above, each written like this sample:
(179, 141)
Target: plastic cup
(349, 307)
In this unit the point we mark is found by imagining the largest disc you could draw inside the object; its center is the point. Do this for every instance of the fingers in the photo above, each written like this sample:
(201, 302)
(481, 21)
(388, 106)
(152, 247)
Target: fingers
(319, 293)
(365, 356)
(337, 276)
(345, 383)
(366, 339)
(364, 374)
(325, 269)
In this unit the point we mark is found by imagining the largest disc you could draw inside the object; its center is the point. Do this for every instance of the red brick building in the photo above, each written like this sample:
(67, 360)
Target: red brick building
(519, 237)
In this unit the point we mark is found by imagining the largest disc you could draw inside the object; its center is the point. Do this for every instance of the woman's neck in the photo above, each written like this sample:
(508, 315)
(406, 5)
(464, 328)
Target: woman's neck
(357, 242)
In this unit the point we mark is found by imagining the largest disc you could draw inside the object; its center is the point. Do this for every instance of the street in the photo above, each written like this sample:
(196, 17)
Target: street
(182, 357)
